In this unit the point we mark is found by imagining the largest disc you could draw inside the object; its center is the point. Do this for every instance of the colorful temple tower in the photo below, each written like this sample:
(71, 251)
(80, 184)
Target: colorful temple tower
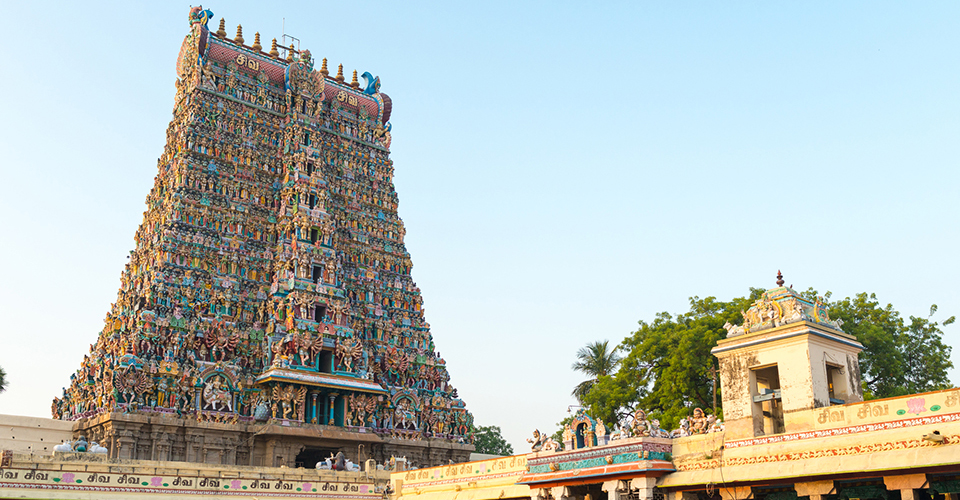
(267, 315)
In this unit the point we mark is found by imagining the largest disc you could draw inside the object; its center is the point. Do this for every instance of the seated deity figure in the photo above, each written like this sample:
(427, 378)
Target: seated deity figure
(215, 395)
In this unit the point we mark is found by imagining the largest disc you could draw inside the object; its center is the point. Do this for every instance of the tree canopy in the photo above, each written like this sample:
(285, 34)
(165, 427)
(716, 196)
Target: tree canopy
(667, 365)
(487, 439)
(3, 380)
(596, 359)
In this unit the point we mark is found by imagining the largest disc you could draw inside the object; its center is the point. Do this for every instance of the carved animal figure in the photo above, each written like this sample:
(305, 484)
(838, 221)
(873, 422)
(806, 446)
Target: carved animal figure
(66, 447)
(656, 431)
(934, 437)
(683, 430)
(372, 83)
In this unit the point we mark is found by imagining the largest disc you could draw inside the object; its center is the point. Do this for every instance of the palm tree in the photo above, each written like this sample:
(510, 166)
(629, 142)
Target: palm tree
(595, 359)
(3, 380)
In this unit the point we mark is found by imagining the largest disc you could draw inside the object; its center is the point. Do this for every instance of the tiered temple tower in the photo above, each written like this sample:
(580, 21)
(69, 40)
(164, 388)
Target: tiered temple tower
(267, 315)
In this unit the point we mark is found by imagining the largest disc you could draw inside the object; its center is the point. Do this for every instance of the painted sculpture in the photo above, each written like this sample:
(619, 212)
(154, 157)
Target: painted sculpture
(270, 277)
(782, 306)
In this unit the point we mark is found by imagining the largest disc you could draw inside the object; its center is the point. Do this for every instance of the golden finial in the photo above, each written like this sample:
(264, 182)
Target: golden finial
(256, 42)
(239, 37)
(222, 31)
(290, 53)
(355, 84)
(323, 69)
(339, 77)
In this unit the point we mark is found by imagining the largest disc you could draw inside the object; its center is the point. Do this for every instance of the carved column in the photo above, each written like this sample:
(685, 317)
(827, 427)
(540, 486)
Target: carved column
(644, 487)
(737, 493)
(313, 407)
(561, 493)
(816, 490)
(908, 484)
(615, 490)
(333, 406)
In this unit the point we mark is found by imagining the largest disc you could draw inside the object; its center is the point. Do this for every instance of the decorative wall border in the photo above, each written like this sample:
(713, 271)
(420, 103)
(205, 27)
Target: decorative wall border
(843, 431)
(951, 440)
(460, 479)
(169, 491)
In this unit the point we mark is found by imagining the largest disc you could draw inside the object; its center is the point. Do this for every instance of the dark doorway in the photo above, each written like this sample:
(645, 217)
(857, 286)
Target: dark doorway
(319, 313)
(326, 362)
(309, 457)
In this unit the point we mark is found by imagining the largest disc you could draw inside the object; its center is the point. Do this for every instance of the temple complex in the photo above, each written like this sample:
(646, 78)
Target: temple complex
(267, 316)
(268, 342)
(796, 428)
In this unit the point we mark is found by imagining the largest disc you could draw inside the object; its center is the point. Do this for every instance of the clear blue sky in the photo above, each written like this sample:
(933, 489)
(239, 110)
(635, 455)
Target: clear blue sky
(564, 169)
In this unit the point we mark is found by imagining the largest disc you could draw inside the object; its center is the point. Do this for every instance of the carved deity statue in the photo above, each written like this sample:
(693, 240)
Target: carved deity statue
(216, 397)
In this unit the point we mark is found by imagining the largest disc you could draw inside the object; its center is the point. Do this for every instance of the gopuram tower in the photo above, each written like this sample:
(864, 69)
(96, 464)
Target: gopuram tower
(267, 315)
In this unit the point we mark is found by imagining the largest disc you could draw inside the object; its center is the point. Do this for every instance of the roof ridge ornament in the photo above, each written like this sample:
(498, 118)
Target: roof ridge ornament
(780, 281)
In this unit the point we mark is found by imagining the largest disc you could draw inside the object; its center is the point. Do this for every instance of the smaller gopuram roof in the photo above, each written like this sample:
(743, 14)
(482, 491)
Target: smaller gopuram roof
(781, 306)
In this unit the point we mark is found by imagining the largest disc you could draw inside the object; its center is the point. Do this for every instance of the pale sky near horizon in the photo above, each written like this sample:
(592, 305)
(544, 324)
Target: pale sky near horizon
(565, 169)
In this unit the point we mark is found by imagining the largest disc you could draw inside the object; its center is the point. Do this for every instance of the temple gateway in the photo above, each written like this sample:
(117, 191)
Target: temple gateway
(268, 342)
(267, 316)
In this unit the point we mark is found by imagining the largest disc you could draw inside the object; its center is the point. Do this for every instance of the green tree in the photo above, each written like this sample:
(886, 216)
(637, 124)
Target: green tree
(596, 359)
(667, 365)
(899, 357)
(489, 440)
(3, 380)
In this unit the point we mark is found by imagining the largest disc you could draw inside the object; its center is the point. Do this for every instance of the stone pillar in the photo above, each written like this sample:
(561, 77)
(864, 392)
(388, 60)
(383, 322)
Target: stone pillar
(816, 490)
(539, 493)
(644, 487)
(908, 484)
(333, 407)
(313, 407)
(737, 493)
(682, 495)
(613, 489)
(561, 493)
(196, 398)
